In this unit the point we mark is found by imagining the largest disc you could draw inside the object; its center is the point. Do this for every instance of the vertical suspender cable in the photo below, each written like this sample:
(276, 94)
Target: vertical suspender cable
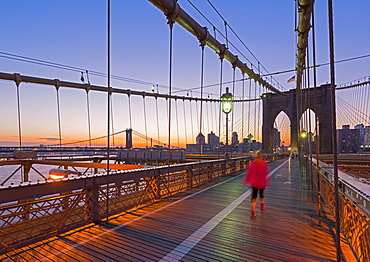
(227, 40)
(243, 105)
(191, 119)
(59, 123)
(109, 109)
(177, 125)
(232, 116)
(366, 111)
(171, 21)
(316, 118)
(129, 109)
(186, 135)
(88, 118)
(255, 110)
(259, 114)
(112, 122)
(207, 116)
(156, 109)
(145, 124)
(364, 103)
(309, 122)
(19, 116)
(249, 115)
(219, 111)
(334, 133)
(213, 128)
(197, 111)
(19, 124)
(201, 97)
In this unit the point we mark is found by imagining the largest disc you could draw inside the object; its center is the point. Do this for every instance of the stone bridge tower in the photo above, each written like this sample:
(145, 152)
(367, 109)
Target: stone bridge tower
(273, 104)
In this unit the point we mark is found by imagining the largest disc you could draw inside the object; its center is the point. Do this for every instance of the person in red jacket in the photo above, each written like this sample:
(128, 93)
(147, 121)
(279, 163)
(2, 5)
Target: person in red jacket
(257, 177)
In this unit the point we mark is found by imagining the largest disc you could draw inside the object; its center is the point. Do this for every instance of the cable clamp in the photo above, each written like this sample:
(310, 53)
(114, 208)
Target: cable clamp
(57, 84)
(17, 79)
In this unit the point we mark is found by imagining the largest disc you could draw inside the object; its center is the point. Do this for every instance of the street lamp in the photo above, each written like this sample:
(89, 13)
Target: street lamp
(227, 107)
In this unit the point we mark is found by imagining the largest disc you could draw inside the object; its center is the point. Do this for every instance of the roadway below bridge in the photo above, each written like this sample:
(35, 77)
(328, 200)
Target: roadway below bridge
(357, 165)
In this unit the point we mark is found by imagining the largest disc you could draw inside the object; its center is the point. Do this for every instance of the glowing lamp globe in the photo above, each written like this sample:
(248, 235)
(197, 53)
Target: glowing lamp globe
(227, 101)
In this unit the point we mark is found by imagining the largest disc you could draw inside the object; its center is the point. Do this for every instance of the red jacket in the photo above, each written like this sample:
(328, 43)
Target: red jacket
(257, 174)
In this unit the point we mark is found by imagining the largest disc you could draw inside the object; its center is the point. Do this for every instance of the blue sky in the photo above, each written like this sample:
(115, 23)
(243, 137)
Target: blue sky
(74, 33)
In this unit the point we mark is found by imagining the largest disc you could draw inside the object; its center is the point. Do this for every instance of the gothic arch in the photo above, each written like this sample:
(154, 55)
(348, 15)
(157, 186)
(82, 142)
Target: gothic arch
(273, 104)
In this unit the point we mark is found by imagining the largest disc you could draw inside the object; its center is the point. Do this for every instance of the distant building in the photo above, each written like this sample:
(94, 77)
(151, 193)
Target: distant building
(276, 141)
(200, 139)
(234, 138)
(362, 133)
(202, 147)
(213, 139)
(348, 140)
(367, 136)
(249, 146)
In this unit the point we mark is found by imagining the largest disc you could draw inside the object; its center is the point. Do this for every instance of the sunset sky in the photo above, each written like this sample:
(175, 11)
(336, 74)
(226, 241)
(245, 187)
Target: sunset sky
(74, 33)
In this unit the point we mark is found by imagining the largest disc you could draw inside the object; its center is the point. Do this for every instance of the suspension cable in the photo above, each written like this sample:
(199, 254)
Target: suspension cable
(171, 21)
(19, 115)
(243, 105)
(59, 122)
(191, 119)
(334, 133)
(232, 115)
(258, 114)
(109, 108)
(112, 122)
(19, 125)
(129, 109)
(309, 121)
(186, 135)
(145, 123)
(88, 119)
(255, 110)
(249, 111)
(156, 109)
(316, 117)
(219, 115)
(177, 124)
(202, 44)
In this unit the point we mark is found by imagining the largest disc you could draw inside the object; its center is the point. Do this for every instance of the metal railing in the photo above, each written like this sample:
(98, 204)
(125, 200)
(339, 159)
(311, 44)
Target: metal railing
(354, 214)
(33, 212)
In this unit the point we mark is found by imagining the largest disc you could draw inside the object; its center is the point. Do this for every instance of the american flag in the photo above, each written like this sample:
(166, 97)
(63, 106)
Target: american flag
(292, 79)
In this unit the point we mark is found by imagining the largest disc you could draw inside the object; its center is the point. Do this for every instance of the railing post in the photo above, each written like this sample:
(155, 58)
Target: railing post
(26, 168)
(26, 209)
(157, 186)
(189, 177)
(92, 204)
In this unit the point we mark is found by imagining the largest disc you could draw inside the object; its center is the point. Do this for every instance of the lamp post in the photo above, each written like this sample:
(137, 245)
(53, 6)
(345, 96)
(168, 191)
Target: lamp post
(227, 107)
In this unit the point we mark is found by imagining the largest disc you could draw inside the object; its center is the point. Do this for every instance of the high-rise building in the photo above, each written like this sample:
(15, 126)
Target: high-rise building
(234, 138)
(213, 139)
(200, 139)
(348, 140)
(362, 133)
(367, 136)
(276, 141)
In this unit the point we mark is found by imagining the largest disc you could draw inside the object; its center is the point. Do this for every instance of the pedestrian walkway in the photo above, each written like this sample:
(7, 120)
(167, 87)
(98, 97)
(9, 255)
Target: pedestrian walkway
(208, 223)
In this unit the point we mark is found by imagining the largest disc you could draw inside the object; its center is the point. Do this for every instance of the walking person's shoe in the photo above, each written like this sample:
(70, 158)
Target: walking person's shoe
(262, 206)
(253, 214)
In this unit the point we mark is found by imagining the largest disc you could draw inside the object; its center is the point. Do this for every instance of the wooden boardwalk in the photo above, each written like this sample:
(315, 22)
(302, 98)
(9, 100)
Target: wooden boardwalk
(207, 223)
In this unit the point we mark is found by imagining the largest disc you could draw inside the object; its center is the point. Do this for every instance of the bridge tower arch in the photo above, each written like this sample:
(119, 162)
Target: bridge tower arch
(273, 104)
